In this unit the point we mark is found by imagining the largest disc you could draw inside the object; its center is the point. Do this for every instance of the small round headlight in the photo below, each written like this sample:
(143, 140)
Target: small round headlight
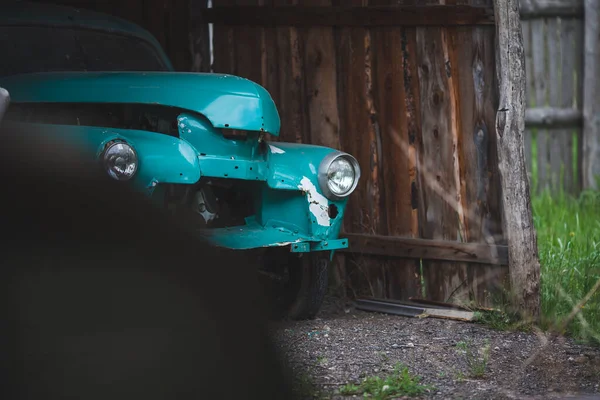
(120, 161)
(338, 175)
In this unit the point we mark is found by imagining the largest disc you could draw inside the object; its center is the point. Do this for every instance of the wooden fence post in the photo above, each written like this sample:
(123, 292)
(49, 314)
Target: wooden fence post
(524, 264)
(591, 97)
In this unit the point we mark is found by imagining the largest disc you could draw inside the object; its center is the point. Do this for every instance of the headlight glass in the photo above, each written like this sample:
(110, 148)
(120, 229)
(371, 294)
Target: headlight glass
(120, 161)
(340, 176)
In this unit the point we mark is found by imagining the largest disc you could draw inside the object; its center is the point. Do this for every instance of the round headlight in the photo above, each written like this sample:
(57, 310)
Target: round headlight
(338, 175)
(120, 161)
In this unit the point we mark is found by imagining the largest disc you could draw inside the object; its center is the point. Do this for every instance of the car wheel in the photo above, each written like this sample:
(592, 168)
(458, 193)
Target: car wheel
(309, 282)
(298, 284)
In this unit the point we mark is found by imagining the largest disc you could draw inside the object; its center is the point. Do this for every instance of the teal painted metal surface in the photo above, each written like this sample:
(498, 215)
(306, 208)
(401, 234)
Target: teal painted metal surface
(162, 158)
(253, 235)
(284, 214)
(23, 13)
(226, 101)
(331, 245)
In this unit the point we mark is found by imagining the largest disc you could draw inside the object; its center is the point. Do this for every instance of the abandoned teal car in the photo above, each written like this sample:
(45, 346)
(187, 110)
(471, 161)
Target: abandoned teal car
(106, 85)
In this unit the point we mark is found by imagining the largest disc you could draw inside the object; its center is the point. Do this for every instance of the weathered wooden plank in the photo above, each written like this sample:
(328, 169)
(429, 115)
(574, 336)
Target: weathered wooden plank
(390, 51)
(321, 83)
(524, 264)
(427, 249)
(356, 16)
(248, 47)
(473, 70)
(579, 83)
(539, 86)
(154, 20)
(199, 38)
(526, 26)
(290, 56)
(223, 44)
(359, 136)
(532, 9)
(567, 98)
(269, 59)
(553, 117)
(555, 160)
(591, 97)
(439, 129)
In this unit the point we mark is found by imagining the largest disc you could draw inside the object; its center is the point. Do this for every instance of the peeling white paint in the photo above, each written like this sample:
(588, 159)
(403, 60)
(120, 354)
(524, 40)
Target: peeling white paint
(317, 203)
(276, 150)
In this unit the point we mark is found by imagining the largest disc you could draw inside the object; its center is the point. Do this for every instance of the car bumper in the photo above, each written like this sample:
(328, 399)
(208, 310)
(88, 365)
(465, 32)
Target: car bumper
(253, 235)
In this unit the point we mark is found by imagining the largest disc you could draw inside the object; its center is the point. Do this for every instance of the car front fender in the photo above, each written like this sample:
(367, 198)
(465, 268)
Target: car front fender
(161, 158)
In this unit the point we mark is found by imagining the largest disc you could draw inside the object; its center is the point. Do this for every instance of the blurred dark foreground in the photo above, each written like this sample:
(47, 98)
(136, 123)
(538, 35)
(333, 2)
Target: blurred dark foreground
(105, 297)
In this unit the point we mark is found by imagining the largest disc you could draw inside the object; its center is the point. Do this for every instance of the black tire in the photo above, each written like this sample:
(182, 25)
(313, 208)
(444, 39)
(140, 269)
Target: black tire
(303, 286)
(309, 281)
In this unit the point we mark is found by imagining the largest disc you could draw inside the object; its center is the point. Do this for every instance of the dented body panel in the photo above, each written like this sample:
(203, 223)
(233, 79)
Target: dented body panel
(226, 101)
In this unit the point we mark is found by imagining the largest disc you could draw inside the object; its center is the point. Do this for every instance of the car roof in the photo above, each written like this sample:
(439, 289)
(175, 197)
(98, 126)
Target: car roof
(20, 12)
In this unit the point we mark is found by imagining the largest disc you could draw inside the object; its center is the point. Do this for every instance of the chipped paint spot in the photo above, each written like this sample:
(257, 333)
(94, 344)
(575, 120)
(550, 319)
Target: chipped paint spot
(276, 150)
(280, 244)
(317, 203)
(312, 168)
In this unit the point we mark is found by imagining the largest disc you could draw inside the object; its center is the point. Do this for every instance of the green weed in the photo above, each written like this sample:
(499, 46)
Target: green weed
(399, 383)
(477, 359)
(568, 231)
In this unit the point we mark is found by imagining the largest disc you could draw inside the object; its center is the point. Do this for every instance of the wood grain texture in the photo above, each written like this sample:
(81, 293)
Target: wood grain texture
(321, 83)
(567, 99)
(532, 9)
(361, 137)
(199, 38)
(248, 44)
(510, 125)
(553, 117)
(480, 254)
(439, 117)
(527, 45)
(292, 107)
(591, 97)
(392, 58)
(540, 80)
(353, 15)
(579, 84)
(473, 70)
(224, 55)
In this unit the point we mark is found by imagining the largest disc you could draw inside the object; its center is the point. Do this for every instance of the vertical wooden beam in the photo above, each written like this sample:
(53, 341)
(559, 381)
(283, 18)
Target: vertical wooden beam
(199, 38)
(526, 26)
(591, 97)
(394, 60)
(567, 97)
(539, 92)
(524, 264)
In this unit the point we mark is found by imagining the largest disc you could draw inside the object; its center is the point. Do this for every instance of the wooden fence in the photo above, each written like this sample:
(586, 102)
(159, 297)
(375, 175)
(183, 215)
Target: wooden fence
(415, 102)
(553, 32)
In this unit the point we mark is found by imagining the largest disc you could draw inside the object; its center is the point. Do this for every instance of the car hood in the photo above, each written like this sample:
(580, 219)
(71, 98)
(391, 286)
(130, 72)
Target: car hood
(226, 101)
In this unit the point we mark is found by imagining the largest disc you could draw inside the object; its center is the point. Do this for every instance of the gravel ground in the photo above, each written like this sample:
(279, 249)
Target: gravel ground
(345, 345)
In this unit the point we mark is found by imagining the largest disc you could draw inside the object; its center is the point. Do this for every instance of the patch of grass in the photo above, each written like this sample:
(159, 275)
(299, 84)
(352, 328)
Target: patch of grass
(477, 359)
(399, 383)
(568, 231)
(321, 360)
(502, 320)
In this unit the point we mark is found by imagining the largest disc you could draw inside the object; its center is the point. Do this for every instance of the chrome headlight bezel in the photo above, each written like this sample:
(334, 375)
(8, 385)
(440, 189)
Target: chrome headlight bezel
(324, 171)
(107, 168)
